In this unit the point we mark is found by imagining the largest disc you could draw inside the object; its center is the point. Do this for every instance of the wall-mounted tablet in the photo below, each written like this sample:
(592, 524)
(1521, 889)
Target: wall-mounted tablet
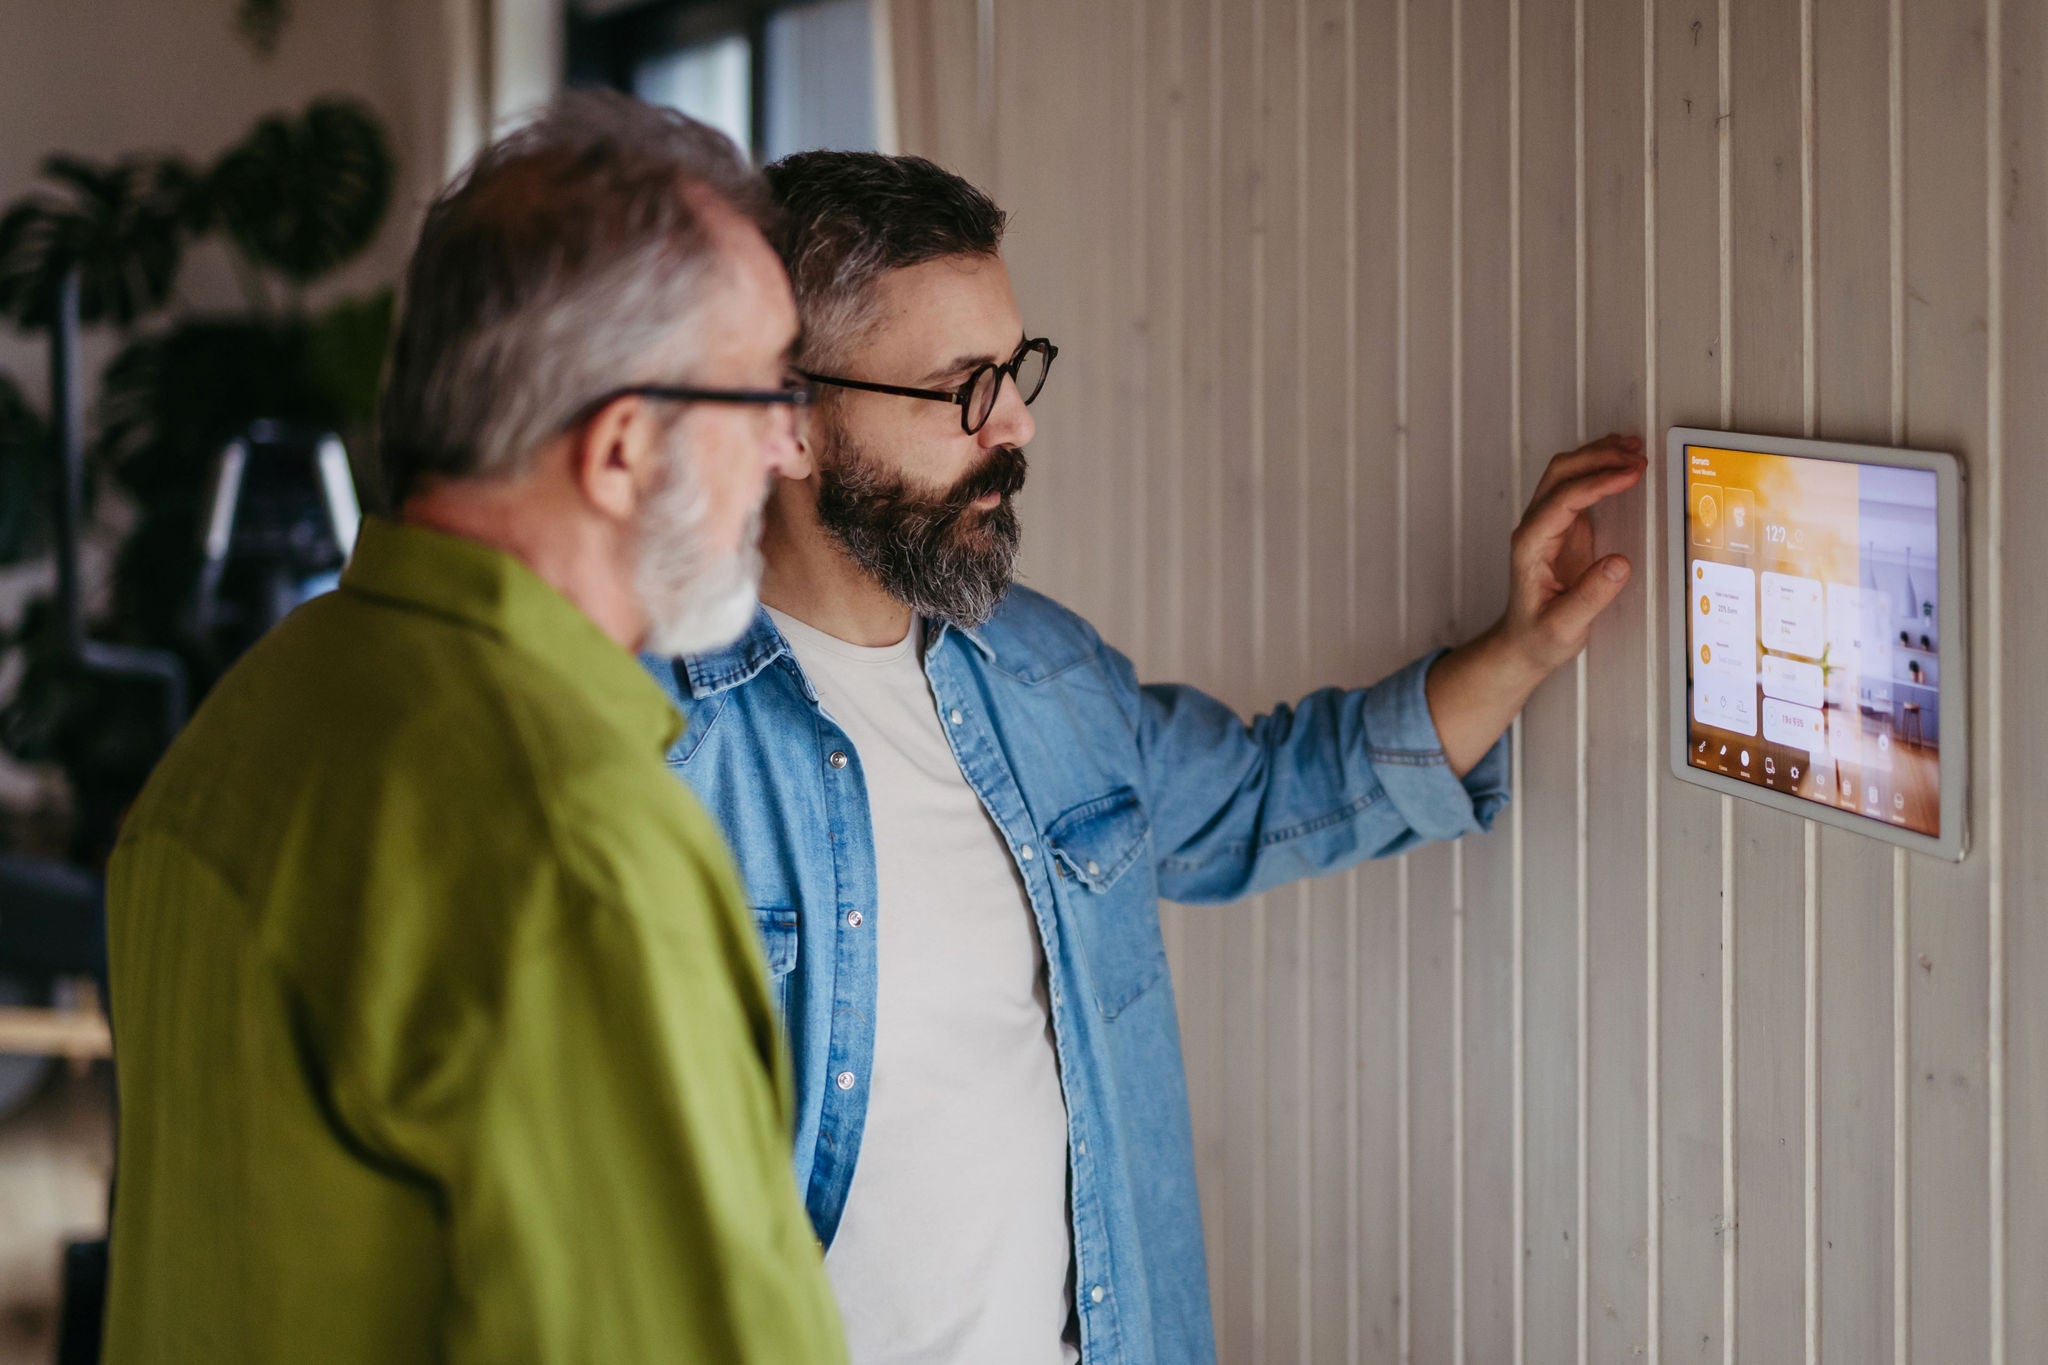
(1817, 607)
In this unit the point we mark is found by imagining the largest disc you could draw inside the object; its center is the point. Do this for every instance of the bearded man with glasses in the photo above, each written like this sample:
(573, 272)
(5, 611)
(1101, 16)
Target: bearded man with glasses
(956, 808)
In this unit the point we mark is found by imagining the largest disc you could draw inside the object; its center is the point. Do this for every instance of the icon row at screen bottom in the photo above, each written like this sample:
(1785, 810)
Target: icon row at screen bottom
(1790, 774)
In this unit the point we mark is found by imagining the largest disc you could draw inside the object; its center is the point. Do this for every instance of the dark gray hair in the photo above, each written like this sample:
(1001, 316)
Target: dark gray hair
(848, 218)
(564, 262)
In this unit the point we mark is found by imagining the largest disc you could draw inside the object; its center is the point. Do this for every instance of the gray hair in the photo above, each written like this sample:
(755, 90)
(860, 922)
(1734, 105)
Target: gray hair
(848, 218)
(566, 261)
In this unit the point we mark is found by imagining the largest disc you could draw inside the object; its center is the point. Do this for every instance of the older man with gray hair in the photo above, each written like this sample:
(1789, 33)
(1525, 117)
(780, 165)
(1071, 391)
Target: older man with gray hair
(442, 1027)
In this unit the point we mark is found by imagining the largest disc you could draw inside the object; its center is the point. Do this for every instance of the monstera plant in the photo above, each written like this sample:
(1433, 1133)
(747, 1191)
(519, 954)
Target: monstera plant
(296, 198)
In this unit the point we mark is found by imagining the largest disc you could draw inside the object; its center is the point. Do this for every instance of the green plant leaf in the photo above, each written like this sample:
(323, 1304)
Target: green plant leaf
(104, 731)
(345, 355)
(168, 402)
(301, 196)
(123, 225)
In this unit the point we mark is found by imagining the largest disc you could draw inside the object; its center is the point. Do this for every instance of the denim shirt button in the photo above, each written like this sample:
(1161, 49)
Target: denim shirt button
(956, 717)
(1026, 854)
(1096, 1294)
(855, 918)
(845, 1079)
(837, 758)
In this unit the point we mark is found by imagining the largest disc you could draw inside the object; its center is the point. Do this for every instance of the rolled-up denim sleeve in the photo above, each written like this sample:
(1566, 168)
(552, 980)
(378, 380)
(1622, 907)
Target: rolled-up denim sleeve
(1408, 756)
(1342, 776)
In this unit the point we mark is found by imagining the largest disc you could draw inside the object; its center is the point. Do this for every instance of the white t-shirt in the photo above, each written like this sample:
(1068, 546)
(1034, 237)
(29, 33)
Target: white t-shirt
(954, 1247)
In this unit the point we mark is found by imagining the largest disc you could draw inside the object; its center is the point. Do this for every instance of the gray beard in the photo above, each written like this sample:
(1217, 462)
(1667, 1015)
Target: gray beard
(933, 554)
(693, 601)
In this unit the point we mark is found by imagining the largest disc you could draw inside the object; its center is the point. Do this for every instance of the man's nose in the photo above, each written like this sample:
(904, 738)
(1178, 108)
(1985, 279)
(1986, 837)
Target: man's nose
(1011, 423)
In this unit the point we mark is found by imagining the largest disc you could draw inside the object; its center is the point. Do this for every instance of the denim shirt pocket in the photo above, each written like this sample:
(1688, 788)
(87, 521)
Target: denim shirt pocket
(777, 928)
(1094, 846)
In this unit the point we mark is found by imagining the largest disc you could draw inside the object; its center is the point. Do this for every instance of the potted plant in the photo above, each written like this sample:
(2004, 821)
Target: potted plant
(296, 198)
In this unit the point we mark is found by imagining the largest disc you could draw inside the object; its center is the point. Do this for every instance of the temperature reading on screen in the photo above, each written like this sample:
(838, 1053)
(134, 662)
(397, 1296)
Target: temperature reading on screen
(1776, 534)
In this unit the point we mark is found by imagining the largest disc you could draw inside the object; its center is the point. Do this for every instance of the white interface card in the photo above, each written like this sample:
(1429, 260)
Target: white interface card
(1793, 680)
(1793, 616)
(1795, 727)
(1723, 613)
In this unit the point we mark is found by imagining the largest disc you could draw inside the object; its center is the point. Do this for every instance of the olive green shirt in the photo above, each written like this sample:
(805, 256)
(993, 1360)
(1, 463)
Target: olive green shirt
(441, 1028)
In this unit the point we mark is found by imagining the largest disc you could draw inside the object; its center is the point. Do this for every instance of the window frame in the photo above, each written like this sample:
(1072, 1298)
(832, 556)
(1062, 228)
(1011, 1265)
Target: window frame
(605, 49)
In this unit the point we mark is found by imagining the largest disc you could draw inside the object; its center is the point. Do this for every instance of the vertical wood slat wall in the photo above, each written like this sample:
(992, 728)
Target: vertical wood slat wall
(1644, 1074)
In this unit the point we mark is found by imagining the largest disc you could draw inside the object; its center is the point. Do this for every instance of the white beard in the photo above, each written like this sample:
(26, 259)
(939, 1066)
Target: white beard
(692, 601)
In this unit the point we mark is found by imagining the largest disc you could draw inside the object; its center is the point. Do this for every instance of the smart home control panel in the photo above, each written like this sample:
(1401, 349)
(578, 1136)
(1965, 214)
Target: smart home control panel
(1817, 613)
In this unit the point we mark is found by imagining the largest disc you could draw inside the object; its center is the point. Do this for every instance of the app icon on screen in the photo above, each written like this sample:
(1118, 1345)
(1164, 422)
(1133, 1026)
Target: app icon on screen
(1741, 519)
(1706, 514)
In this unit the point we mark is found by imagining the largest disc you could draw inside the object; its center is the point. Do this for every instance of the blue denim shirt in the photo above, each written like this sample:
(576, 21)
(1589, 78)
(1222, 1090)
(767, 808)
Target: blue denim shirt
(1109, 795)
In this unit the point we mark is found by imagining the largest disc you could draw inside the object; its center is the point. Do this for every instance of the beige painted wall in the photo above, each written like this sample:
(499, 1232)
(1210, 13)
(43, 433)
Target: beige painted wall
(104, 78)
(1644, 1074)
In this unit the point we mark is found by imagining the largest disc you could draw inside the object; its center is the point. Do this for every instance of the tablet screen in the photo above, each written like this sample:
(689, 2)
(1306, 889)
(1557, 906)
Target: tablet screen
(1814, 652)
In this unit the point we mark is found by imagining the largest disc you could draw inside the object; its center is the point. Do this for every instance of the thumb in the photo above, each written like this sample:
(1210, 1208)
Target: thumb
(1573, 611)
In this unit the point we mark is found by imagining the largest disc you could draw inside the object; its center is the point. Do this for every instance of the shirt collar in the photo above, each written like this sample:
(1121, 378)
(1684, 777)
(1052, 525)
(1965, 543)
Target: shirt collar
(972, 634)
(488, 590)
(721, 670)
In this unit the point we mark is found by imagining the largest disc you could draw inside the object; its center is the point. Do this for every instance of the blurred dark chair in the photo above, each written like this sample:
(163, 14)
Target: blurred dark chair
(85, 1300)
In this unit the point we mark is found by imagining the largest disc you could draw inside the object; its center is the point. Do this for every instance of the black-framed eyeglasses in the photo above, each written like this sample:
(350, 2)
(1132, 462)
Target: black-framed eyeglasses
(796, 393)
(977, 397)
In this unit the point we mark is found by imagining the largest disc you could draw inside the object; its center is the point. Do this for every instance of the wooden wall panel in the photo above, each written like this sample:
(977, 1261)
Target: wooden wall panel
(1190, 470)
(1766, 354)
(1645, 1074)
(1852, 270)
(2016, 480)
(1374, 540)
(1242, 1310)
(1425, 480)
(1547, 816)
(1688, 372)
(1280, 644)
(1326, 227)
(1482, 411)
(1945, 355)
(1617, 736)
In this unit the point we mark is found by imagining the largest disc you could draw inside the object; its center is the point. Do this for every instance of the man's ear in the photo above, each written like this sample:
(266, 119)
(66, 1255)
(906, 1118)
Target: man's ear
(805, 463)
(616, 459)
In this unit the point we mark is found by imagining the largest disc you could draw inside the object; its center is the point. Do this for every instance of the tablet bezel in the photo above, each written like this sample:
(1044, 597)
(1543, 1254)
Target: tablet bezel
(1953, 842)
